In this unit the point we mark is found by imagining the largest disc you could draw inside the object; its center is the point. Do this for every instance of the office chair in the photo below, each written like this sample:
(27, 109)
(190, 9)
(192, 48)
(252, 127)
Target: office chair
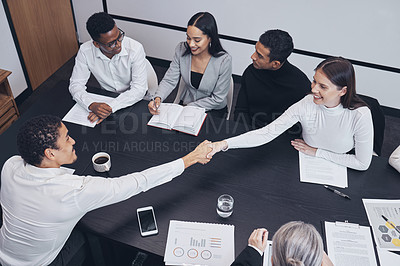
(378, 120)
(229, 99)
(152, 81)
(181, 87)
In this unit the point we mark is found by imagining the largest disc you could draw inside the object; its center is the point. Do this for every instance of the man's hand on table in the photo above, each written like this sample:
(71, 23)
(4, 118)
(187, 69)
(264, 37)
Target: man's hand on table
(99, 112)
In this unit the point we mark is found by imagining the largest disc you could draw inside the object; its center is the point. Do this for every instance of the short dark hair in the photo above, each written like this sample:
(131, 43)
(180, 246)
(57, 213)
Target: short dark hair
(341, 73)
(99, 23)
(280, 44)
(37, 135)
(206, 22)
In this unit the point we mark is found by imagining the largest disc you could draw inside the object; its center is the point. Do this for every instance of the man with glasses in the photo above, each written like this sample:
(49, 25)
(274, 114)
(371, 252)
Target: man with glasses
(117, 62)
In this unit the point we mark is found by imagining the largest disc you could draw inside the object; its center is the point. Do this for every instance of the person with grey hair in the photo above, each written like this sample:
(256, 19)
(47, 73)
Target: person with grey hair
(295, 244)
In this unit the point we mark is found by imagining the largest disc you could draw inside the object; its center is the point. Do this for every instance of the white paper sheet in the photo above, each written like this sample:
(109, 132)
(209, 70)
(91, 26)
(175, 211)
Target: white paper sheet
(386, 236)
(191, 243)
(387, 258)
(349, 244)
(321, 171)
(268, 254)
(79, 115)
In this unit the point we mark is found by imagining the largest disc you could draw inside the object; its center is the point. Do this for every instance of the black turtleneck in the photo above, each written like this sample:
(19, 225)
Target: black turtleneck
(266, 94)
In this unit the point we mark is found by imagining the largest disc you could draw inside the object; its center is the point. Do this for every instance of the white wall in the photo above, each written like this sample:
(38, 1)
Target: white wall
(82, 11)
(361, 30)
(9, 57)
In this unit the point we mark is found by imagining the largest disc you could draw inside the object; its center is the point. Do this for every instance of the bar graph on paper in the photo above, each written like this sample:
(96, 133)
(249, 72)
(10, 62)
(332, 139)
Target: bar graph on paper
(199, 243)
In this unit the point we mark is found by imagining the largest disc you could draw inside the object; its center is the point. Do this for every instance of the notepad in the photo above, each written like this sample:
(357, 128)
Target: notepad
(187, 119)
(192, 243)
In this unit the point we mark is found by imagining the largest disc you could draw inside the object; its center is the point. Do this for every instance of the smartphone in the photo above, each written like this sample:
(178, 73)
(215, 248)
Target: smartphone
(147, 221)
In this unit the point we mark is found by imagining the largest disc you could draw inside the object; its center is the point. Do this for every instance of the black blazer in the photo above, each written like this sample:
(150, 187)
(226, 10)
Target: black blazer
(248, 257)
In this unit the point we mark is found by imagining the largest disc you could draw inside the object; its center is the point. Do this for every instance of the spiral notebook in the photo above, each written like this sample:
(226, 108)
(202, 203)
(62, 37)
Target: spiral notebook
(193, 243)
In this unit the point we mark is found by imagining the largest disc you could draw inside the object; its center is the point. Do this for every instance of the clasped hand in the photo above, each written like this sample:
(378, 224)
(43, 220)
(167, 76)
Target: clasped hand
(204, 152)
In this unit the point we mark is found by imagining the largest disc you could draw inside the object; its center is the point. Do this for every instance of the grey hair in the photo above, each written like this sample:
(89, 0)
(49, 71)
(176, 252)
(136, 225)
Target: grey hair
(297, 244)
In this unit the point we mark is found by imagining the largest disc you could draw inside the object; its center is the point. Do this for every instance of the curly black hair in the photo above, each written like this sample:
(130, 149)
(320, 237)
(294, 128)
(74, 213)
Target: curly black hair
(37, 135)
(99, 23)
(280, 44)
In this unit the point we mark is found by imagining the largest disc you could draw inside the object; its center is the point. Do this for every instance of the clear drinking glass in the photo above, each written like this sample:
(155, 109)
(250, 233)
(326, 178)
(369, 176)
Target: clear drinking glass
(225, 205)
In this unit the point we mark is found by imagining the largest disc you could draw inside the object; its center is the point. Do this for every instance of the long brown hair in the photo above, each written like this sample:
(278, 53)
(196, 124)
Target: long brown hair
(341, 73)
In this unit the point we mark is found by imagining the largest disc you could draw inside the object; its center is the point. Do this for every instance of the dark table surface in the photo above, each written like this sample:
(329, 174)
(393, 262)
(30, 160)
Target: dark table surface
(264, 181)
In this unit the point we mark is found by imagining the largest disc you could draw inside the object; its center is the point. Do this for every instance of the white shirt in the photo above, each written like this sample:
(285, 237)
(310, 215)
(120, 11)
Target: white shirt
(41, 206)
(333, 131)
(124, 73)
(394, 159)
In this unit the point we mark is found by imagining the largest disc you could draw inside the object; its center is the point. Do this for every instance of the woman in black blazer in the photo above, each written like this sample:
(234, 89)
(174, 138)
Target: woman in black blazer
(295, 244)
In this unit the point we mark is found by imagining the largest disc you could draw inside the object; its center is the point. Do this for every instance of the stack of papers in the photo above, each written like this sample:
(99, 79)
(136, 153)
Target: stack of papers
(191, 243)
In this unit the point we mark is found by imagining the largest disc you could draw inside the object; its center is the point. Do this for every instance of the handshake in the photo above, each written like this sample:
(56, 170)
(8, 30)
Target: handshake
(204, 152)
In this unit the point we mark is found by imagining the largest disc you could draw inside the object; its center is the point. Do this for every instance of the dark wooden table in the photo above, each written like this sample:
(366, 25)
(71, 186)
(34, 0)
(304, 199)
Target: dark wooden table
(264, 181)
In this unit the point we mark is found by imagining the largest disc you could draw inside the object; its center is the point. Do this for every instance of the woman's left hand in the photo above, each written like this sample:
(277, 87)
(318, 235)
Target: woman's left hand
(300, 145)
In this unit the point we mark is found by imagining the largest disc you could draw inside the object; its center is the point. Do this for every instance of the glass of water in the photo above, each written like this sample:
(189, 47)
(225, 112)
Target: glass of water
(225, 205)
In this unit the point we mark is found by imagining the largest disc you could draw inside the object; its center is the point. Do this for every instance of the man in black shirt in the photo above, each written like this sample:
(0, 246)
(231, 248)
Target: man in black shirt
(271, 84)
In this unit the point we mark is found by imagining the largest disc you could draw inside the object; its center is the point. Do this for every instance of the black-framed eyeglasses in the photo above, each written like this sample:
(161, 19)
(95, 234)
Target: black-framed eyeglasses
(112, 44)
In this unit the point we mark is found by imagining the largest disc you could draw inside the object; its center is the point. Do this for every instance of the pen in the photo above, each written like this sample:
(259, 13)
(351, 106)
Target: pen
(154, 102)
(337, 192)
(392, 224)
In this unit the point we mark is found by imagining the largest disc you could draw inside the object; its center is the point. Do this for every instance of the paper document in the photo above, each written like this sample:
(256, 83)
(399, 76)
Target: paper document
(349, 244)
(79, 115)
(387, 258)
(320, 171)
(384, 218)
(268, 254)
(191, 243)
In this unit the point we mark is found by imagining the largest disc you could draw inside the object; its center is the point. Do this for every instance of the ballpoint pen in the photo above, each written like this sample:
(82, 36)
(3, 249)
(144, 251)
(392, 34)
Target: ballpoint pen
(392, 224)
(154, 102)
(337, 192)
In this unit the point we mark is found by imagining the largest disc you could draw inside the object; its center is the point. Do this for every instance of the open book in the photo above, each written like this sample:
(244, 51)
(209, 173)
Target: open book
(187, 119)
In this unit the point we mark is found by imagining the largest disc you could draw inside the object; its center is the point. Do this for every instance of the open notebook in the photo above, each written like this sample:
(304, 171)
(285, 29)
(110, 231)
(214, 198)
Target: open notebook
(187, 119)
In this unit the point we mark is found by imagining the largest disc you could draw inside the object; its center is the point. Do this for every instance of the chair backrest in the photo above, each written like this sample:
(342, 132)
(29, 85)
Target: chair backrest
(229, 97)
(378, 120)
(181, 87)
(152, 81)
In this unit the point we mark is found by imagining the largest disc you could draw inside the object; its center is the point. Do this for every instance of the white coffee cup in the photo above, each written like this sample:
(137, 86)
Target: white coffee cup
(101, 162)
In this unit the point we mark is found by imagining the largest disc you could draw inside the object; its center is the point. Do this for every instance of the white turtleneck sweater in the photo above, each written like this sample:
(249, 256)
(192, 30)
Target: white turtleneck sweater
(333, 131)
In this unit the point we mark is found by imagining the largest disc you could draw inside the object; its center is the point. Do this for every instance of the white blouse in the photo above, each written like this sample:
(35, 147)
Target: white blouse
(333, 131)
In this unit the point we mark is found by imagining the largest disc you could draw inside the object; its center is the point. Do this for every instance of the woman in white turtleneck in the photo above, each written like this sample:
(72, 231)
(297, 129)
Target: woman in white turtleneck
(334, 120)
